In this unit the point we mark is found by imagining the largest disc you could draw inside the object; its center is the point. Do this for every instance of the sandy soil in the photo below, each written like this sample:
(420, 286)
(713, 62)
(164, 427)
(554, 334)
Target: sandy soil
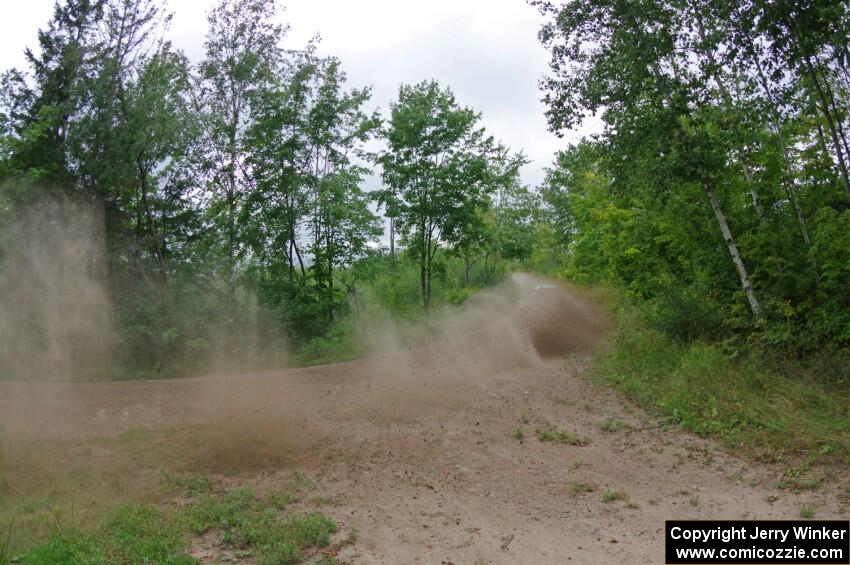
(416, 447)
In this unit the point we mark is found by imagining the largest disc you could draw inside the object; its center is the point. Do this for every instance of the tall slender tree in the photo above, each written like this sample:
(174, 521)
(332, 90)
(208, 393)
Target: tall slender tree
(440, 169)
(242, 55)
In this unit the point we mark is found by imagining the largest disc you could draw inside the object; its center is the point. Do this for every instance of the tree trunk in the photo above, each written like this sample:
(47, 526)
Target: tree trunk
(422, 282)
(727, 99)
(755, 306)
(733, 251)
(392, 237)
(151, 225)
(330, 280)
(300, 261)
(425, 274)
(830, 122)
(786, 154)
(231, 212)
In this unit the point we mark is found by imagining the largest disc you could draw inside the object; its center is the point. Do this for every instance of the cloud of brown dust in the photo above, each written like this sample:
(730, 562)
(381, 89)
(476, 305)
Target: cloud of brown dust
(55, 317)
(56, 324)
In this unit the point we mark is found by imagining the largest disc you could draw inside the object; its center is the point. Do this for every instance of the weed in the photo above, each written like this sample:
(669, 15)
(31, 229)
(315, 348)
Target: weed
(518, 434)
(218, 510)
(610, 425)
(580, 488)
(312, 529)
(249, 526)
(798, 485)
(610, 495)
(280, 553)
(524, 419)
(5, 545)
(693, 501)
(189, 485)
(807, 512)
(132, 534)
(548, 432)
(65, 547)
(280, 499)
(142, 534)
(322, 500)
(351, 537)
(301, 482)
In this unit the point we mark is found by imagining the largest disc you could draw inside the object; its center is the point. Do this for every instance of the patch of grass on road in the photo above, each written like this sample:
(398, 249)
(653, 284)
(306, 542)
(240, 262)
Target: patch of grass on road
(580, 488)
(548, 432)
(611, 495)
(611, 425)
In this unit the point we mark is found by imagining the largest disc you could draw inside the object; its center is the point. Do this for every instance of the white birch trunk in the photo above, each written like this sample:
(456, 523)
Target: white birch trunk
(733, 251)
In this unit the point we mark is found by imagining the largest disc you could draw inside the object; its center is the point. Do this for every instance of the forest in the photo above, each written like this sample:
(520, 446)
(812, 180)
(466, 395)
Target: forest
(226, 214)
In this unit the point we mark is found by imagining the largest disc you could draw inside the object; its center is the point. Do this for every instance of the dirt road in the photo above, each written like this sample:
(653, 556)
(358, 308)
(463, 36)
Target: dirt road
(476, 449)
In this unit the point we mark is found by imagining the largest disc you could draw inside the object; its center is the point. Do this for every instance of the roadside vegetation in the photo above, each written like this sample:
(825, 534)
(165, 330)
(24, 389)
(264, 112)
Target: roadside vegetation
(244, 525)
(776, 410)
(130, 510)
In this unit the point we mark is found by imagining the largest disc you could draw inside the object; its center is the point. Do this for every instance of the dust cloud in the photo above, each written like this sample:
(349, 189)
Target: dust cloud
(520, 323)
(55, 317)
(266, 420)
(254, 421)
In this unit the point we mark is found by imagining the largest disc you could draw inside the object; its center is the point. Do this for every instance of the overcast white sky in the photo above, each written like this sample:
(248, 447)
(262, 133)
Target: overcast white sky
(486, 50)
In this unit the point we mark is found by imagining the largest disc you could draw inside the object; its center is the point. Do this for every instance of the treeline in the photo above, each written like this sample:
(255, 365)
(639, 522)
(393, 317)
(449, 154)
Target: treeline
(718, 193)
(229, 192)
(233, 218)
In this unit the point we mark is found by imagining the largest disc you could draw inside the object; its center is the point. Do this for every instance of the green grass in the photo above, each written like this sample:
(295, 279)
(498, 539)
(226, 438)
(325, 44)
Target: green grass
(610, 495)
(189, 485)
(610, 425)
(132, 534)
(580, 488)
(260, 527)
(742, 399)
(133, 435)
(547, 432)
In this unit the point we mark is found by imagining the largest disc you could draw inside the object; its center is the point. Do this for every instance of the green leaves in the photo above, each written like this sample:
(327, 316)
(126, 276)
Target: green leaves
(441, 171)
(723, 140)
